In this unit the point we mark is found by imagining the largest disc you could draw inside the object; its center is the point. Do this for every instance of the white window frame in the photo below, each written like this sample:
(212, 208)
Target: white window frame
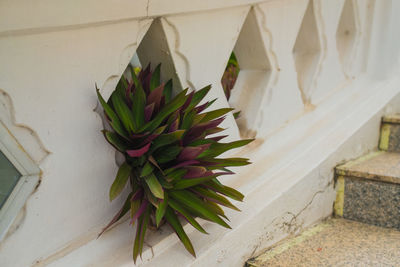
(29, 179)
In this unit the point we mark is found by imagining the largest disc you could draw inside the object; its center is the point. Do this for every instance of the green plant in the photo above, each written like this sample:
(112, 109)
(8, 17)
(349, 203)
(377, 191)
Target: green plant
(171, 163)
(230, 75)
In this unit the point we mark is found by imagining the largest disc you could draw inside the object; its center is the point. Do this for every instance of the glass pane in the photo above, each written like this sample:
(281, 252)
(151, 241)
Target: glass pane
(9, 177)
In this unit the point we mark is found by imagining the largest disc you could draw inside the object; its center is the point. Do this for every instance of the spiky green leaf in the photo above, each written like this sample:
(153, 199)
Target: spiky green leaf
(125, 208)
(147, 169)
(188, 119)
(120, 180)
(215, 114)
(189, 199)
(116, 141)
(162, 207)
(123, 112)
(167, 153)
(176, 225)
(217, 149)
(225, 162)
(139, 102)
(114, 120)
(135, 205)
(155, 78)
(175, 174)
(198, 96)
(216, 208)
(225, 190)
(154, 186)
(179, 208)
(140, 233)
(168, 91)
(167, 139)
(186, 183)
(211, 195)
(169, 108)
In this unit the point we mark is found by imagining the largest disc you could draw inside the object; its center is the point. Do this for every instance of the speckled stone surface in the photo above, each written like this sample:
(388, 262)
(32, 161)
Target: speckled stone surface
(390, 137)
(336, 242)
(371, 191)
(372, 202)
(379, 166)
(390, 133)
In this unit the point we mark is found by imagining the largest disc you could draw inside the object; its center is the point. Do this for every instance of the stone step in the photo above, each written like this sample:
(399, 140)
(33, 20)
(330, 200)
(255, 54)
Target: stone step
(368, 189)
(390, 133)
(335, 242)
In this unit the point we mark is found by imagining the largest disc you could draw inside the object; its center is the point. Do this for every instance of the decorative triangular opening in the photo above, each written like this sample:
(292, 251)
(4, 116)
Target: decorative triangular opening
(252, 68)
(346, 34)
(307, 52)
(154, 49)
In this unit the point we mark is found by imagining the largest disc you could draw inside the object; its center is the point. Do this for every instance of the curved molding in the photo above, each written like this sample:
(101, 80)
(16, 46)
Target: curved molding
(124, 57)
(22, 146)
(324, 47)
(48, 16)
(27, 138)
(358, 31)
(275, 68)
(308, 50)
(270, 51)
(179, 53)
(109, 84)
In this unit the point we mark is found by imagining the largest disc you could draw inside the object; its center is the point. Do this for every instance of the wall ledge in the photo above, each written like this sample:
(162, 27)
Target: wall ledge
(344, 126)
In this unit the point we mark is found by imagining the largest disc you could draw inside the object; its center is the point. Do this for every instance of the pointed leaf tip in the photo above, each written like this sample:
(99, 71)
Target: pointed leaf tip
(160, 212)
(120, 180)
(154, 186)
(176, 225)
(138, 152)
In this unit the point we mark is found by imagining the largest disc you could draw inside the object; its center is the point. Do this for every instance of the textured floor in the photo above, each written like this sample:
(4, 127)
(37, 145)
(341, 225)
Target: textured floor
(380, 166)
(336, 242)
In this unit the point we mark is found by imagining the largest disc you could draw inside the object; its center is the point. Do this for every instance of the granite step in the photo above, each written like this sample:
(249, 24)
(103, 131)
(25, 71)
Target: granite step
(368, 189)
(335, 242)
(390, 133)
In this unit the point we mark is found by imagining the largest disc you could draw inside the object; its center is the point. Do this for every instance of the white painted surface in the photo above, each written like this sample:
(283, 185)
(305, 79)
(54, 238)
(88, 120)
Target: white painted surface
(272, 208)
(28, 180)
(52, 58)
(57, 100)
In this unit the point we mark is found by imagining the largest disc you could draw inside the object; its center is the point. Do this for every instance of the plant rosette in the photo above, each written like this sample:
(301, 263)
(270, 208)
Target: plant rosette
(171, 149)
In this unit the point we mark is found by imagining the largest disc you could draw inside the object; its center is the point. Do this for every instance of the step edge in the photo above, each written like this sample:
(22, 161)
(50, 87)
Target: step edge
(368, 176)
(394, 119)
(349, 164)
(346, 169)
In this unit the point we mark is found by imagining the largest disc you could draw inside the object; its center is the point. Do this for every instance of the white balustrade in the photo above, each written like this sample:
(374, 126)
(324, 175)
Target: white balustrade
(302, 63)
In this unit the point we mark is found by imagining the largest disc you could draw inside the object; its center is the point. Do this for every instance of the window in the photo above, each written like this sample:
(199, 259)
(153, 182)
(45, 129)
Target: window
(19, 176)
(9, 177)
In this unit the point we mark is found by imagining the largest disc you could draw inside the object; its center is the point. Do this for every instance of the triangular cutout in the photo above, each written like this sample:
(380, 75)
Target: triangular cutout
(253, 78)
(307, 52)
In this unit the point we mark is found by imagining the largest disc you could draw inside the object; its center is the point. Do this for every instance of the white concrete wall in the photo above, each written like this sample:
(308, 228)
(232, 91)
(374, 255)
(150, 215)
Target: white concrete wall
(52, 53)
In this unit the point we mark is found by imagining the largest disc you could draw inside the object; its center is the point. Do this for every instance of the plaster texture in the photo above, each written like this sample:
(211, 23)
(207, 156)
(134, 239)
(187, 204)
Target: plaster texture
(52, 54)
(272, 209)
(336, 242)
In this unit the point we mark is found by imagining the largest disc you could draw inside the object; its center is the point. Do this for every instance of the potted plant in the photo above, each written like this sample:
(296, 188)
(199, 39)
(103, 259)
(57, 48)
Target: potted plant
(172, 163)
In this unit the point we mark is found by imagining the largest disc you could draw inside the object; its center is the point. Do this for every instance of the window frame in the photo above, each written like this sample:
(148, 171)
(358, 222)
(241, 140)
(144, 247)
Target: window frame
(26, 184)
